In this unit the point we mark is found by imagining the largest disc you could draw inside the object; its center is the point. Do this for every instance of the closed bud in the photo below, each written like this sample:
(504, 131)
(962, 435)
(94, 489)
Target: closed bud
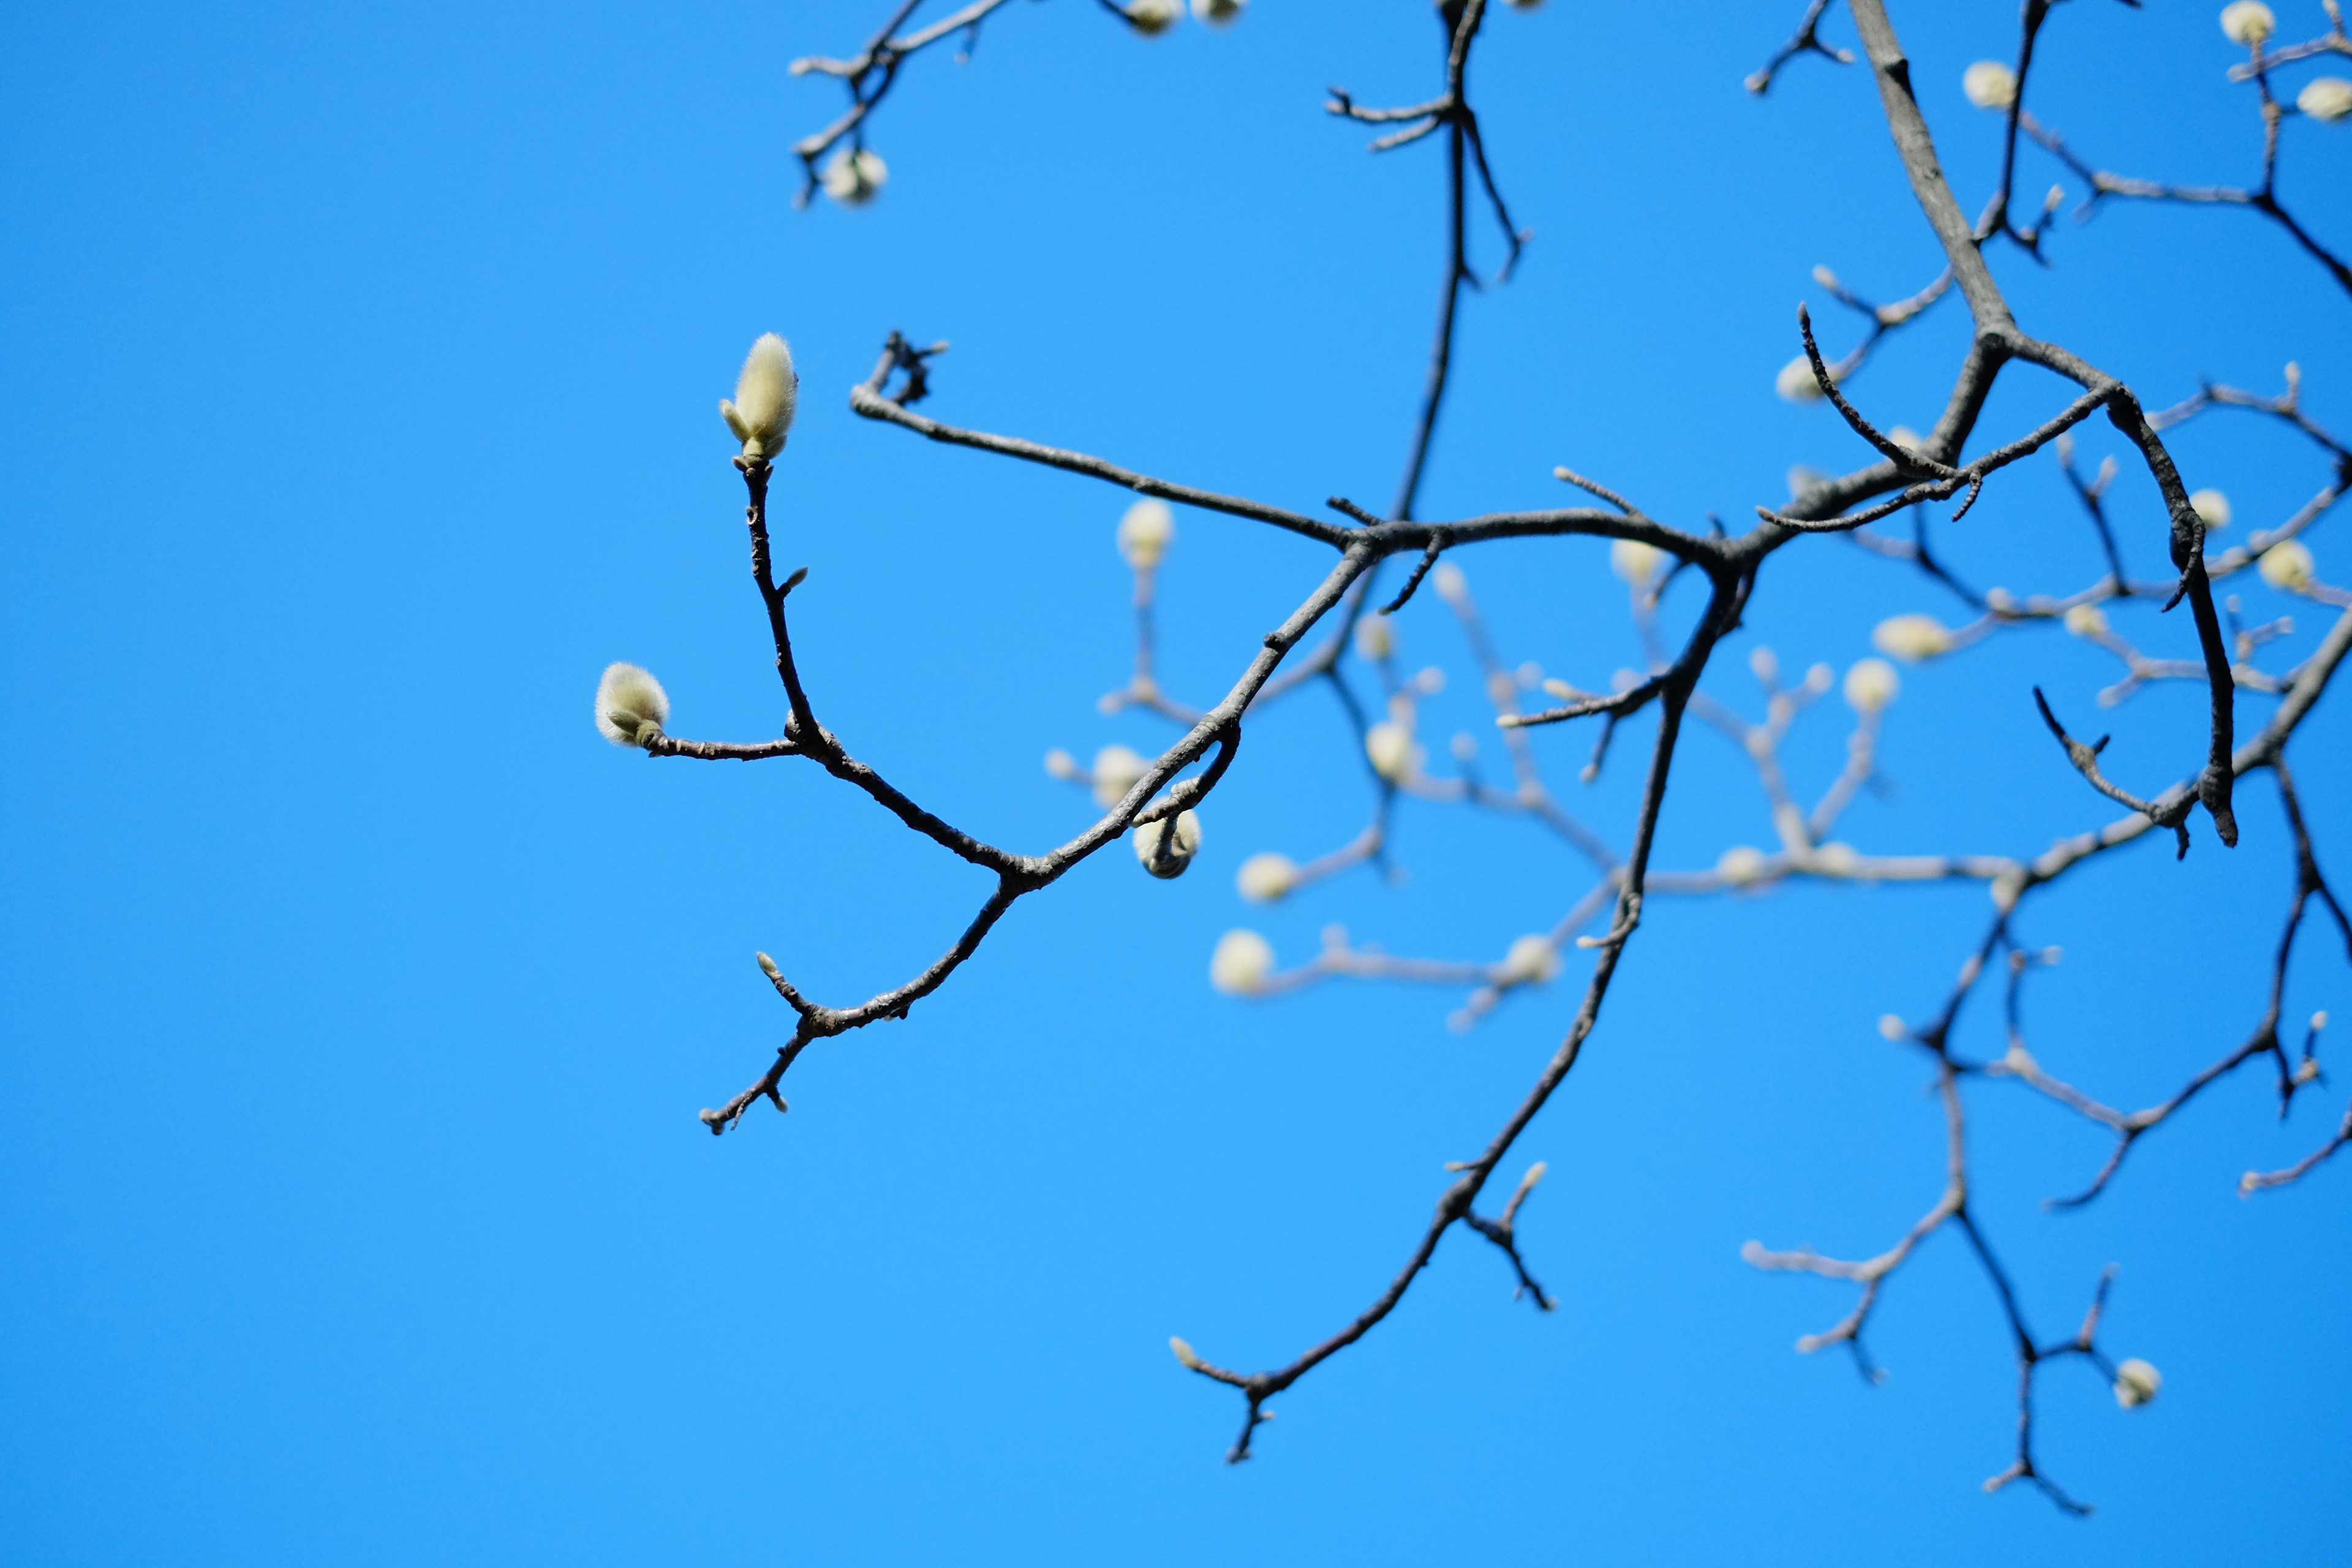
(1740, 865)
(1908, 438)
(1820, 677)
(2328, 97)
(1891, 1027)
(1451, 584)
(1990, 84)
(1836, 858)
(1635, 562)
(1060, 764)
(1871, 685)
(1268, 877)
(1375, 638)
(1763, 665)
(2212, 506)
(1116, 770)
(1164, 847)
(761, 412)
(1152, 17)
(854, 176)
(631, 706)
(2248, 22)
(1145, 534)
(1390, 746)
(1184, 1353)
(1797, 383)
(2086, 621)
(1911, 638)
(1240, 963)
(1217, 13)
(2136, 1381)
(2286, 565)
(1531, 961)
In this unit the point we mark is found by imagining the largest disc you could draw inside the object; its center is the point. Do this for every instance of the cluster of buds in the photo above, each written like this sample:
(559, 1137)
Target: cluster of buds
(1153, 17)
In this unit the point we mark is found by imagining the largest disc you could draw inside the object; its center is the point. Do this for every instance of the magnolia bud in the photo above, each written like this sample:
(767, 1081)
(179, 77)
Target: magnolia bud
(1911, 638)
(761, 412)
(631, 706)
(2319, 1021)
(2326, 98)
(1990, 84)
(1375, 638)
(1451, 584)
(2248, 22)
(1152, 18)
(1891, 1027)
(1217, 13)
(1797, 383)
(2212, 506)
(1531, 961)
(2136, 1381)
(1240, 963)
(2086, 621)
(1908, 438)
(1165, 849)
(1060, 764)
(1836, 858)
(1116, 770)
(1268, 877)
(2287, 565)
(1145, 534)
(1762, 665)
(1871, 685)
(1390, 746)
(1740, 865)
(1184, 1353)
(1635, 562)
(854, 176)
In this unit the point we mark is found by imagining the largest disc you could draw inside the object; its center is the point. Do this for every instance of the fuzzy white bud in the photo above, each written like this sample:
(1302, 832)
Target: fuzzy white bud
(2136, 1381)
(1451, 584)
(2086, 621)
(1890, 1026)
(1217, 13)
(1152, 17)
(766, 392)
(1908, 438)
(1797, 383)
(1240, 963)
(2287, 565)
(1268, 877)
(1390, 746)
(1871, 685)
(1740, 866)
(1990, 84)
(1164, 850)
(1763, 664)
(2212, 506)
(1911, 638)
(1185, 1353)
(854, 176)
(1635, 562)
(1836, 858)
(2248, 22)
(1116, 770)
(1375, 638)
(631, 706)
(1145, 534)
(2328, 97)
(1531, 961)
(1060, 764)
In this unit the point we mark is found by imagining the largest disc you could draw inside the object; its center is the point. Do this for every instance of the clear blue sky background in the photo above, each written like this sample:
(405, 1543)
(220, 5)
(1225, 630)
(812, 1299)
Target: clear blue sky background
(357, 408)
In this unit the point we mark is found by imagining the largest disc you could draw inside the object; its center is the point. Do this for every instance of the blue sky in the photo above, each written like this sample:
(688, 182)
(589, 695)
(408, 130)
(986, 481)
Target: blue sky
(358, 408)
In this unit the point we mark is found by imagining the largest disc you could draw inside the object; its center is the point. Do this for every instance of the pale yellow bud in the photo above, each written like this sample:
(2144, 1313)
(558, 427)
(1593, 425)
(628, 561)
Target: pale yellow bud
(1185, 1354)
(1635, 562)
(2248, 22)
(1116, 770)
(2212, 506)
(1390, 746)
(1740, 865)
(1911, 638)
(1268, 877)
(631, 706)
(1449, 582)
(761, 412)
(1375, 638)
(1240, 963)
(1166, 851)
(1871, 685)
(1153, 17)
(2328, 97)
(1890, 1026)
(853, 177)
(1145, 533)
(1797, 383)
(2136, 1381)
(2086, 621)
(2286, 565)
(1531, 961)
(1990, 84)
(1060, 764)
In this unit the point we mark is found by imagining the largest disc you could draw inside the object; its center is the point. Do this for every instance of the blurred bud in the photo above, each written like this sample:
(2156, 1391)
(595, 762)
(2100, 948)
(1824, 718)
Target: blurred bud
(1871, 685)
(1911, 638)
(1268, 877)
(2328, 97)
(1803, 478)
(1375, 638)
(2307, 1069)
(768, 967)
(854, 176)
(1449, 582)
(631, 706)
(2319, 1021)
(1217, 13)
(761, 412)
(1531, 961)
(1166, 851)
(1796, 383)
(1240, 963)
(1762, 665)
(1890, 1027)
(1820, 677)
(2212, 506)
(1184, 1353)
(1060, 764)
(1740, 865)
(1990, 84)
(1152, 17)
(1908, 438)
(2006, 889)
(1390, 746)
(2136, 1381)
(2248, 22)
(2286, 565)
(1116, 770)
(2086, 621)
(1145, 534)
(1635, 562)
(1836, 860)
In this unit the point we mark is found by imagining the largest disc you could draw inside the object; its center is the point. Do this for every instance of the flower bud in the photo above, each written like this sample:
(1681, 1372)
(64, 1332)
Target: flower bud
(2248, 22)
(1871, 685)
(1060, 764)
(1165, 850)
(1836, 858)
(1116, 770)
(2307, 1069)
(2136, 1381)
(1635, 562)
(1217, 13)
(1145, 534)
(1911, 638)
(1908, 438)
(1268, 877)
(1890, 1026)
(1375, 638)
(1531, 961)
(631, 706)
(2286, 565)
(2212, 506)
(1990, 84)
(1797, 383)
(854, 176)
(1740, 865)
(1184, 1353)
(1240, 963)
(1390, 746)
(1152, 17)
(2086, 621)
(2328, 97)
(761, 412)
(1451, 584)
(1763, 665)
